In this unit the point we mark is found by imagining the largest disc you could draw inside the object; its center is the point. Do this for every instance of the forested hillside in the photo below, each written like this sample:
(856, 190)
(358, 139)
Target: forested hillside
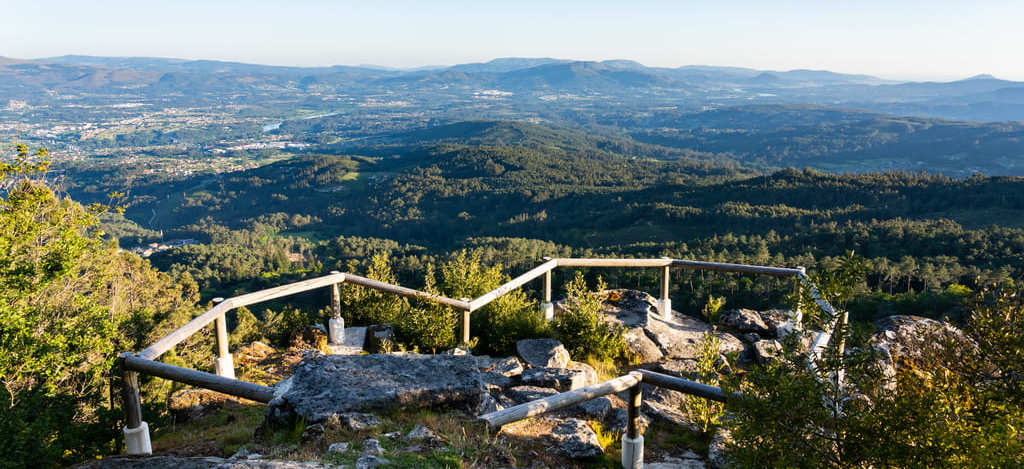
(526, 189)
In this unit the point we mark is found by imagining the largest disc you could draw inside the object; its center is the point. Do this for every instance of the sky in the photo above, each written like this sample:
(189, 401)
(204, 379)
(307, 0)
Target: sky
(897, 39)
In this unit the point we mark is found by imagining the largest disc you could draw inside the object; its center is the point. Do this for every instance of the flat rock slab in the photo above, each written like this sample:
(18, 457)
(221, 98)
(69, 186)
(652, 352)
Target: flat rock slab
(175, 462)
(323, 386)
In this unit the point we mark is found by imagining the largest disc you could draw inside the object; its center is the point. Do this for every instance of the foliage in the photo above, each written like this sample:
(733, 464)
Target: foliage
(712, 307)
(707, 412)
(581, 327)
(502, 322)
(953, 404)
(68, 303)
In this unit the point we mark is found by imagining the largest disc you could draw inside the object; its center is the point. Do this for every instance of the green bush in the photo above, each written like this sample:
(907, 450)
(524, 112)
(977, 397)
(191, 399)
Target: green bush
(68, 303)
(954, 405)
(581, 327)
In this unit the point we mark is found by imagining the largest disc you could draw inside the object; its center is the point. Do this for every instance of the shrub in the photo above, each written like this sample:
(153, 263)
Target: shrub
(428, 326)
(707, 412)
(68, 303)
(954, 405)
(582, 329)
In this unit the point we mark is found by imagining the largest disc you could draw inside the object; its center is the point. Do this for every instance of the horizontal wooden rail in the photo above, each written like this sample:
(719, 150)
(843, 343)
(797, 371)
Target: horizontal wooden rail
(559, 401)
(579, 262)
(178, 335)
(210, 381)
(739, 268)
(513, 284)
(168, 341)
(285, 290)
(408, 292)
(683, 385)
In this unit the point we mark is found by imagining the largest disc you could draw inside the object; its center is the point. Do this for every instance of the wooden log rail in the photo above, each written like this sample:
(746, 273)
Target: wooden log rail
(632, 440)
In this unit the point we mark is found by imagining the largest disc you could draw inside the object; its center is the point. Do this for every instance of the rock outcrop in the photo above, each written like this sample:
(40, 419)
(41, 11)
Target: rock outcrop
(677, 337)
(543, 353)
(325, 386)
(907, 337)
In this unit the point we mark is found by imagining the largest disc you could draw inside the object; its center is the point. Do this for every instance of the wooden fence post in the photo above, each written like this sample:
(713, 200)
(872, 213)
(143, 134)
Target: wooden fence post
(225, 364)
(336, 324)
(546, 306)
(465, 324)
(633, 440)
(136, 431)
(665, 303)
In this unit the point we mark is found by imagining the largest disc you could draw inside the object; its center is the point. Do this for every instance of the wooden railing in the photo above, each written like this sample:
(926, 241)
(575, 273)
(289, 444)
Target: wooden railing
(136, 431)
(632, 439)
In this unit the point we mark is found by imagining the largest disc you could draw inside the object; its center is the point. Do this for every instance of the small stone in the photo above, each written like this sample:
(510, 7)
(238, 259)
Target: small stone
(596, 408)
(643, 348)
(392, 435)
(508, 366)
(370, 461)
(543, 353)
(355, 421)
(456, 351)
(576, 439)
(743, 320)
(521, 394)
(766, 350)
(562, 379)
(372, 446)
(495, 382)
(339, 447)
(487, 405)
(313, 433)
(589, 373)
(421, 432)
(379, 338)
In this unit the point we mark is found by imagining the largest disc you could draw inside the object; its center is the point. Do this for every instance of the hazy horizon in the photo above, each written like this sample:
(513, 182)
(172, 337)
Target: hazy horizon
(900, 40)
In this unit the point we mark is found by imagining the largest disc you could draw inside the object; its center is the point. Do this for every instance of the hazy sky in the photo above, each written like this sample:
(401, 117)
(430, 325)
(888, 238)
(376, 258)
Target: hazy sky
(934, 39)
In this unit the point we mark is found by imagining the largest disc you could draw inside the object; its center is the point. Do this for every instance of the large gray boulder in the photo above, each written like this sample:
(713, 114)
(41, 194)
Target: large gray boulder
(576, 439)
(666, 405)
(676, 337)
(908, 337)
(543, 353)
(642, 346)
(765, 351)
(744, 321)
(324, 386)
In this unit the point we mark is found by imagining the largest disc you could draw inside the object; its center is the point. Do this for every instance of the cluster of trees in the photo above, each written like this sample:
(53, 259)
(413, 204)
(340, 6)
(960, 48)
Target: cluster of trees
(69, 302)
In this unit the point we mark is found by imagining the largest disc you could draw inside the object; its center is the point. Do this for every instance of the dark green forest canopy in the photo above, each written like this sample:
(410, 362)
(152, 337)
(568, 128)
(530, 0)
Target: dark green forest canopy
(421, 194)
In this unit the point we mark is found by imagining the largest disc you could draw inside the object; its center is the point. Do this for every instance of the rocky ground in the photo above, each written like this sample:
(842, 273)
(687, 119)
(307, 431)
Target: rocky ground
(411, 410)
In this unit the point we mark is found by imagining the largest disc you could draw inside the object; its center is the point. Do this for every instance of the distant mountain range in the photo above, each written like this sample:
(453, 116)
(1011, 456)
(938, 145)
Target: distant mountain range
(982, 98)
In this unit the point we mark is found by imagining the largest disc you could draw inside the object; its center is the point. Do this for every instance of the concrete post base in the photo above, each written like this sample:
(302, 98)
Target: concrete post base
(225, 366)
(336, 331)
(665, 307)
(137, 440)
(548, 309)
(632, 452)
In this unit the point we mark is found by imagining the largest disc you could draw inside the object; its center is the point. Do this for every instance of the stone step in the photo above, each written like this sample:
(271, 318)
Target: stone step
(352, 343)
